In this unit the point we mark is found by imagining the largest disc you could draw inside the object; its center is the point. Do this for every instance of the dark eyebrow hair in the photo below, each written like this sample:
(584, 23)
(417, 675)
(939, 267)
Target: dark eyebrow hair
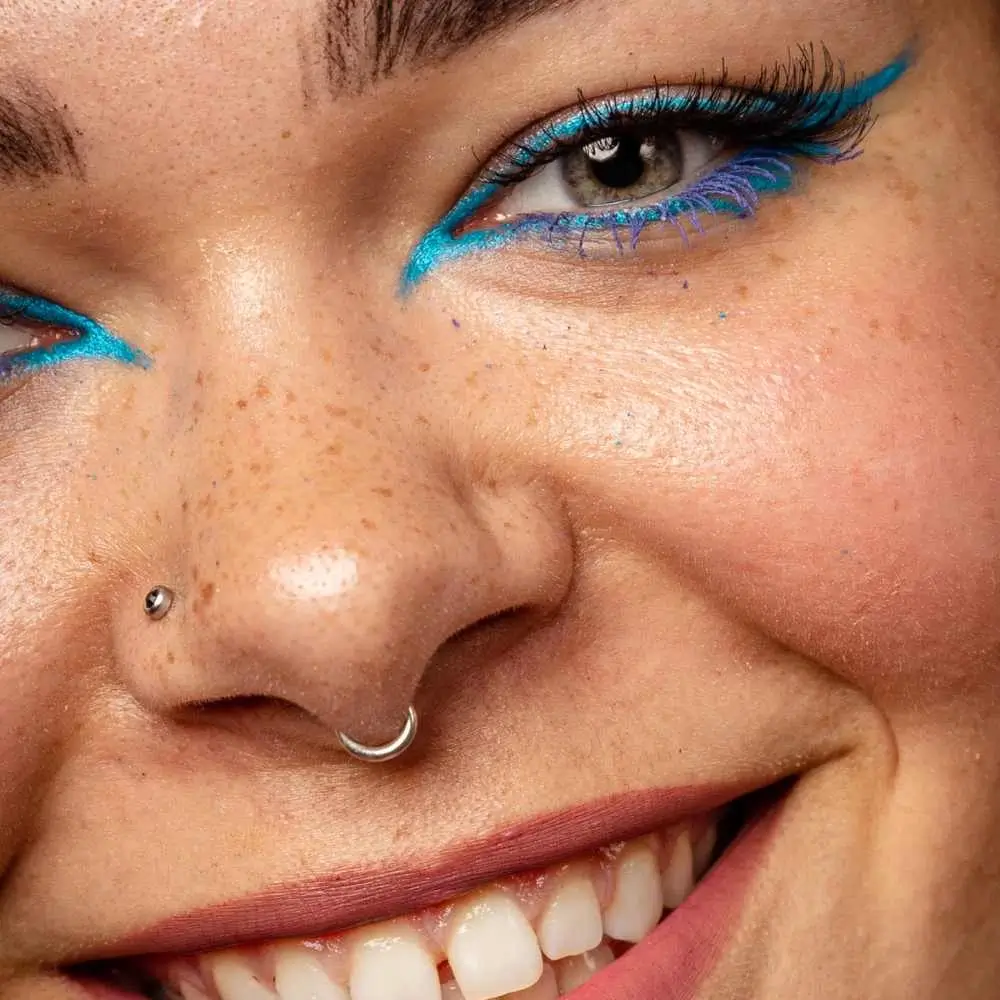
(36, 140)
(365, 41)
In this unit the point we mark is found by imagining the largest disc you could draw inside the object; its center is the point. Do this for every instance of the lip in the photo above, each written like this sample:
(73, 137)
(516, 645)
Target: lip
(674, 961)
(331, 903)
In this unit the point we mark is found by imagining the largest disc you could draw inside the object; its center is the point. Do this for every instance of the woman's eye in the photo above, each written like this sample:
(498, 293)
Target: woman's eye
(668, 158)
(36, 333)
(612, 172)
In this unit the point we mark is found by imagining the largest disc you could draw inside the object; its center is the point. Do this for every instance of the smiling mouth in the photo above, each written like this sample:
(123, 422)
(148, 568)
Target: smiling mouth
(536, 935)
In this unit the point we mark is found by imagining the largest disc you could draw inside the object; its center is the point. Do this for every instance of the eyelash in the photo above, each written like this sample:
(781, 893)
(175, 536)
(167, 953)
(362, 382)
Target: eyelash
(90, 339)
(794, 111)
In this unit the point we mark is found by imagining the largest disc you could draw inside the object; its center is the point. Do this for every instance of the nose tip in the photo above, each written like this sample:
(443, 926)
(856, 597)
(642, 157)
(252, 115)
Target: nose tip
(344, 630)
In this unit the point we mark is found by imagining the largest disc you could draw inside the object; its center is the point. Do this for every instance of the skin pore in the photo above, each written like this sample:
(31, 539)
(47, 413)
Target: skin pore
(705, 514)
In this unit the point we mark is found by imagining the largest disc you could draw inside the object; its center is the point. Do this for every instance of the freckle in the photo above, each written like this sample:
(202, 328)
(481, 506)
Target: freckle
(242, 404)
(290, 396)
(199, 378)
(255, 468)
(334, 449)
(743, 291)
(144, 433)
(207, 593)
(370, 525)
(874, 324)
(286, 134)
(425, 367)
(335, 411)
(777, 259)
(455, 323)
(356, 422)
(896, 505)
(170, 656)
(157, 517)
(184, 506)
(383, 491)
(470, 379)
(326, 355)
(194, 574)
(262, 391)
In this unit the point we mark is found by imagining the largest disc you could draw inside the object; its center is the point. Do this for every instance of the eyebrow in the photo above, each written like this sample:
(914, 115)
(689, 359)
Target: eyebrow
(365, 41)
(36, 140)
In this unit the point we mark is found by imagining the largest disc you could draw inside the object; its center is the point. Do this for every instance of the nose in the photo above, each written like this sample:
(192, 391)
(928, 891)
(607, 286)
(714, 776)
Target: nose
(326, 563)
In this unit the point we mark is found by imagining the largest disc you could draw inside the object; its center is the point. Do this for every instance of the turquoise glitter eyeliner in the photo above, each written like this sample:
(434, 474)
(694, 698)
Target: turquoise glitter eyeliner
(89, 339)
(797, 112)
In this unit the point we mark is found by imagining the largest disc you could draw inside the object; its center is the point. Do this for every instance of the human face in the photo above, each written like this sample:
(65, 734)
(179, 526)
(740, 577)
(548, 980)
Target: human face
(688, 542)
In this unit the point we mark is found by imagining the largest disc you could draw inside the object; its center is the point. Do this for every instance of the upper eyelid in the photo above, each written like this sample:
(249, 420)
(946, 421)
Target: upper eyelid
(829, 94)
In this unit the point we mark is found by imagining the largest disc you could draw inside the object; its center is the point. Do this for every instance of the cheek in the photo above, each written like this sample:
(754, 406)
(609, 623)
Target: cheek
(838, 485)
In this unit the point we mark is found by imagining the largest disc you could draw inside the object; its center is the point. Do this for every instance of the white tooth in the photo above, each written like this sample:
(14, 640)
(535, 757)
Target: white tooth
(637, 905)
(235, 980)
(547, 988)
(678, 879)
(572, 973)
(393, 967)
(491, 948)
(299, 976)
(571, 923)
(704, 849)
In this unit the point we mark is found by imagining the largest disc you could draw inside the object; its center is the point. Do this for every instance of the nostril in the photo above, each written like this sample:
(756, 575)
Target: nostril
(248, 713)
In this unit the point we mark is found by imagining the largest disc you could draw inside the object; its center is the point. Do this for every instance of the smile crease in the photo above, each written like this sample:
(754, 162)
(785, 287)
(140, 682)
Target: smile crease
(534, 936)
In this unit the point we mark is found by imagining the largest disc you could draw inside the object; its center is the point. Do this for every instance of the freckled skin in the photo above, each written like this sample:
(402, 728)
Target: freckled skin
(734, 547)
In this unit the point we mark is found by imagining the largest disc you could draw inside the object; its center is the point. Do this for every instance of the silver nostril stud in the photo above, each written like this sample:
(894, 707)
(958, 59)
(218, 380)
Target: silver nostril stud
(158, 603)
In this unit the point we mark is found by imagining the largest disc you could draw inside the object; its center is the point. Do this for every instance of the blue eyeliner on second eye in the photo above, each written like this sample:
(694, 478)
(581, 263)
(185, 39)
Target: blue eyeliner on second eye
(733, 188)
(91, 341)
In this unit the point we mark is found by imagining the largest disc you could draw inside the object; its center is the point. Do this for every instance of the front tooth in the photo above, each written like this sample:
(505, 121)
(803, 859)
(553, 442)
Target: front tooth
(572, 973)
(547, 988)
(571, 923)
(299, 976)
(637, 905)
(235, 980)
(492, 949)
(678, 879)
(393, 967)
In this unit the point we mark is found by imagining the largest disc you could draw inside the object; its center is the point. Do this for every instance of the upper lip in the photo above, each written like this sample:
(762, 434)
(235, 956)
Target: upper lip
(349, 897)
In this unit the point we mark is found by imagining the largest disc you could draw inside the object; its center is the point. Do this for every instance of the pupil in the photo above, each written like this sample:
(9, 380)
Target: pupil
(617, 163)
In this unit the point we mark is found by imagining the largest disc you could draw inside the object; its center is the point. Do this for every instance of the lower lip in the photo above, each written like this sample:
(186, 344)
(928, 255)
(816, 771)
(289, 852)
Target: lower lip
(673, 961)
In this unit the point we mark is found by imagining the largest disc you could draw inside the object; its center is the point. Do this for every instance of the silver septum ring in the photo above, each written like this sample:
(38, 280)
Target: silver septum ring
(387, 751)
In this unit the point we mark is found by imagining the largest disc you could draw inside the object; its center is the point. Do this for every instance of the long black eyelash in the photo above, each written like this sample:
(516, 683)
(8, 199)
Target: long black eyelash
(793, 102)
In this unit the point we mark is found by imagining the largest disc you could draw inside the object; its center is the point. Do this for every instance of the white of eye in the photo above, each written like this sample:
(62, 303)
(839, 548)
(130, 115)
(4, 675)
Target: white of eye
(545, 191)
(13, 338)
